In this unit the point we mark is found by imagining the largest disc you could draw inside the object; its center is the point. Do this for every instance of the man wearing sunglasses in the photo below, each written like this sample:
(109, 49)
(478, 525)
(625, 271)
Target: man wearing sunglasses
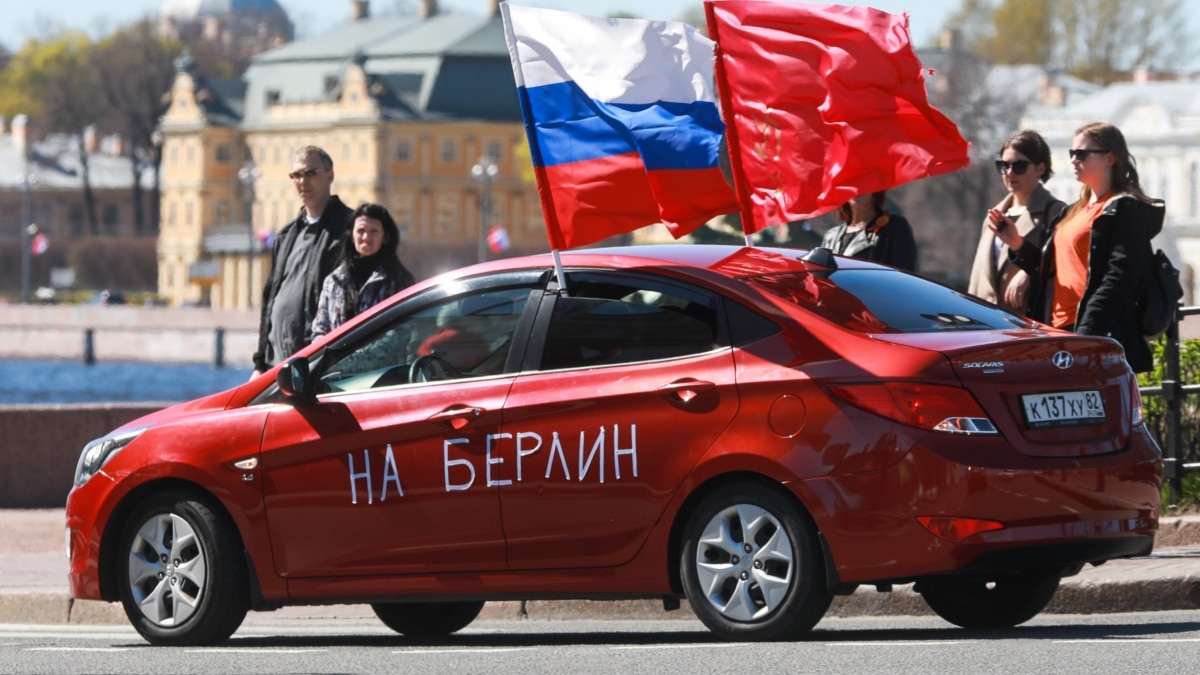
(304, 253)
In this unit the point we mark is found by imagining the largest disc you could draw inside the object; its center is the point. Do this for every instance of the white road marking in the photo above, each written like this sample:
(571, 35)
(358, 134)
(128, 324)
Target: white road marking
(491, 650)
(707, 646)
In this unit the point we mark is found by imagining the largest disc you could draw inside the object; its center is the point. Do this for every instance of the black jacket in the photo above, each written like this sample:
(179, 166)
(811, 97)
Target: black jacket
(888, 240)
(334, 220)
(1118, 261)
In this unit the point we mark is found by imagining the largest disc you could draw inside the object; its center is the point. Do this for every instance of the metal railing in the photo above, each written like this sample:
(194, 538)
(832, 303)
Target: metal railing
(1173, 392)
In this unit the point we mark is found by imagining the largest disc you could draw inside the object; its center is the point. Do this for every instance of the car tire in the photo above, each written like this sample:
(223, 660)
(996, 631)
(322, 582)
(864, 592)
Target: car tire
(751, 565)
(427, 620)
(1002, 601)
(183, 578)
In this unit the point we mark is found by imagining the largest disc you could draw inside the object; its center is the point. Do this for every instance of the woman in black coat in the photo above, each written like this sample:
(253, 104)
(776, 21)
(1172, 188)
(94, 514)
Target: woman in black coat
(869, 232)
(1094, 267)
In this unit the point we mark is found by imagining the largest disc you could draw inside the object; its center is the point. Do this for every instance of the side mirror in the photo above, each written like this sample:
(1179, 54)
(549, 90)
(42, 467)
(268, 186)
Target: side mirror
(294, 382)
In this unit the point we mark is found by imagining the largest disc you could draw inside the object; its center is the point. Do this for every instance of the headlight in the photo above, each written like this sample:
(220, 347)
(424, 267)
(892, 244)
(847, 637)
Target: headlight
(97, 453)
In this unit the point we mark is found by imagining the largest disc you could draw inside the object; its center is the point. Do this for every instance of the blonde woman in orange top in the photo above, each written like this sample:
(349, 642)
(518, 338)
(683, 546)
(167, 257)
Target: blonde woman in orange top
(1094, 267)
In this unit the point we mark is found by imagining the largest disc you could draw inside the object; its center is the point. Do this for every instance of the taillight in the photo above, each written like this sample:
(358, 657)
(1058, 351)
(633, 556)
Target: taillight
(957, 529)
(926, 406)
(1136, 414)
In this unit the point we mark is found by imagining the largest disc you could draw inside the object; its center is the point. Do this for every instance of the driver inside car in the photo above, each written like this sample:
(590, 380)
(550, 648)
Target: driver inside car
(455, 341)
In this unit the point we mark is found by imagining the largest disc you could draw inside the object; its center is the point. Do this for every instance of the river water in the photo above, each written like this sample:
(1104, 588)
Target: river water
(46, 381)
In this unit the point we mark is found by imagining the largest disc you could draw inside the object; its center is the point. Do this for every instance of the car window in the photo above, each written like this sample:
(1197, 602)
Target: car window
(885, 301)
(460, 337)
(610, 323)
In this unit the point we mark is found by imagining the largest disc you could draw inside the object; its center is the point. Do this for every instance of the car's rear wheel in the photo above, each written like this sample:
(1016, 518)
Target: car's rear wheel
(1002, 601)
(751, 565)
(425, 620)
(183, 576)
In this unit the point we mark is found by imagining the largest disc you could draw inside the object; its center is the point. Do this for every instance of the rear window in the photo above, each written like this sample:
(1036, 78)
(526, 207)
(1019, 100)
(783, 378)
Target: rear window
(885, 301)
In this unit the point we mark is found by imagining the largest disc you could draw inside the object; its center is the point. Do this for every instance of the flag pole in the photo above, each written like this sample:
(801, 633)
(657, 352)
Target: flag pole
(558, 270)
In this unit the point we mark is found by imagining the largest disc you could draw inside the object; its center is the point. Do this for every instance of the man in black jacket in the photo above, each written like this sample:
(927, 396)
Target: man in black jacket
(304, 253)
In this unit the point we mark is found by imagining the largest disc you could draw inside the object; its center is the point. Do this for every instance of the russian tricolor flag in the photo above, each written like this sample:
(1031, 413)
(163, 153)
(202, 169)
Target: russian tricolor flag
(622, 120)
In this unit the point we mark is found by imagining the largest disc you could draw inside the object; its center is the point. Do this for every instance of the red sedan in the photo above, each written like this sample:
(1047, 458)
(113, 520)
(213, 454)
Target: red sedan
(754, 430)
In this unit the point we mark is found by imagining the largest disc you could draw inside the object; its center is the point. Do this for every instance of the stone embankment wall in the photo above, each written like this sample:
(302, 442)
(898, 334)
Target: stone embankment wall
(40, 445)
(125, 333)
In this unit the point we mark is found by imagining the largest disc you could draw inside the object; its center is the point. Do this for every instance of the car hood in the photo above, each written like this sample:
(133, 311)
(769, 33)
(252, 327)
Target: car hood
(217, 401)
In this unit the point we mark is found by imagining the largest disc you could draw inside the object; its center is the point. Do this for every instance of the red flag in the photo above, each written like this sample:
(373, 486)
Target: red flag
(40, 244)
(822, 103)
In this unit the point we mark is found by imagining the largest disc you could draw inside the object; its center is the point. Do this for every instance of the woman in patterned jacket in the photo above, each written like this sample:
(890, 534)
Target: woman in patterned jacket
(369, 271)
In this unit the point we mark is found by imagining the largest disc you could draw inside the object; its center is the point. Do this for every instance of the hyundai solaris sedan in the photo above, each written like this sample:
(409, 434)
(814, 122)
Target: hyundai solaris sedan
(753, 430)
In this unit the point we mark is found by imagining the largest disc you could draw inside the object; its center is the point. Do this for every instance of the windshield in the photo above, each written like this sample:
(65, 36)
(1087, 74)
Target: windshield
(885, 301)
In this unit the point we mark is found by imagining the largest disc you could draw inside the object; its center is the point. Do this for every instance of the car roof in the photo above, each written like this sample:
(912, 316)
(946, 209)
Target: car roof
(729, 261)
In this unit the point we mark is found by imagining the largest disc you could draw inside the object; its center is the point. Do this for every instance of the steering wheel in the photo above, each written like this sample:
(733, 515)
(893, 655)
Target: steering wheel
(432, 367)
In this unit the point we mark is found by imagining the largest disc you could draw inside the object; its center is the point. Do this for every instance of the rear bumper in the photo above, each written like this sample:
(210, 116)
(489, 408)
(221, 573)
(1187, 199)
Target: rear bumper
(1061, 554)
(1055, 512)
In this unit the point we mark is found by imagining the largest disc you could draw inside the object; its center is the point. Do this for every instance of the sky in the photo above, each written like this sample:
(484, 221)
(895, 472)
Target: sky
(22, 19)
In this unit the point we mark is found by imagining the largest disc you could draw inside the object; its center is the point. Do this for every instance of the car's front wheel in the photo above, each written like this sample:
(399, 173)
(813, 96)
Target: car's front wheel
(427, 620)
(1002, 601)
(751, 565)
(183, 580)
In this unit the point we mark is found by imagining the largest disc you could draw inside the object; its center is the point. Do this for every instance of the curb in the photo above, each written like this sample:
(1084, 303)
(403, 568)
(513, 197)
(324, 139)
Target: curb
(1167, 580)
(1085, 597)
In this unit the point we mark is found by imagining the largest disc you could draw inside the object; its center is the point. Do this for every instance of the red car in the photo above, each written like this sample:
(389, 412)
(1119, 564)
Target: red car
(755, 430)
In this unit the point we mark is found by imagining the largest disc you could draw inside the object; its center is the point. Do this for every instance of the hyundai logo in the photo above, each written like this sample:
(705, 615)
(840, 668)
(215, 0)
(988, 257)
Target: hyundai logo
(1063, 360)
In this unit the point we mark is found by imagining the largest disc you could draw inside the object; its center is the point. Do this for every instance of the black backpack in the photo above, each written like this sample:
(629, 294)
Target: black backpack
(1160, 296)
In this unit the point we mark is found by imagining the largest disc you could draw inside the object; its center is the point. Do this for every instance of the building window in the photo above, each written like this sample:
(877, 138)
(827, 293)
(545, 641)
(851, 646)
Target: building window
(109, 217)
(224, 154)
(188, 210)
(404, 150)
(495, 150)
(533, 212)
(75, 219)
(222, 212)
(402, 212)
(364, 152)
(447, 213)
(191, 154)
(1194, 199)
(448, 150)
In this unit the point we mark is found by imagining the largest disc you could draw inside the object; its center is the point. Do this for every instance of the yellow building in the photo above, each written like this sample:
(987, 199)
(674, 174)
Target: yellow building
(406, 107)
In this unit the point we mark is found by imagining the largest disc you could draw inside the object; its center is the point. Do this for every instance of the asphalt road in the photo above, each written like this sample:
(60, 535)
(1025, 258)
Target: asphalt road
(1159, 642)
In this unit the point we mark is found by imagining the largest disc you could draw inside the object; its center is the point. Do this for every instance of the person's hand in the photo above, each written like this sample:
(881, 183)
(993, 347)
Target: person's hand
(1017, 289)
(255, 374)
(1004, 228)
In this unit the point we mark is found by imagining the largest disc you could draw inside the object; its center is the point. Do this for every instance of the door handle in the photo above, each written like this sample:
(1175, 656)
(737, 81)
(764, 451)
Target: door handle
(458, 416)
(687, 389)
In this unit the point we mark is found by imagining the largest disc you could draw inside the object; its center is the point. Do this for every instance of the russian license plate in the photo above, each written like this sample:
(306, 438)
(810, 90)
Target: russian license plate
(1063, 408)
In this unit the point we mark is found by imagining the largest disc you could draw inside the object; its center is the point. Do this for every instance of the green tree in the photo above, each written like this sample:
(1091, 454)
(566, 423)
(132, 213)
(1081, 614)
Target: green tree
(135, 70)
(52, 81)
(1100, 41)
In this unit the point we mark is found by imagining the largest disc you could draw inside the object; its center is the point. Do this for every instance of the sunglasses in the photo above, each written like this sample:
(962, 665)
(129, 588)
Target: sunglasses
(1081, 154)
(307, 173)
(1018, 167)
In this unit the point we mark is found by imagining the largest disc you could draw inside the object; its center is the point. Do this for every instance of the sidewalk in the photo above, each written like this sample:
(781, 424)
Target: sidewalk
(33, 584)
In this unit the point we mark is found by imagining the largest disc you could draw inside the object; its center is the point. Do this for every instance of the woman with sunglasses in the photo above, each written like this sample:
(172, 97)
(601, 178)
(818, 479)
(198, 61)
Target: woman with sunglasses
(1095, 264)
(1024, 165)
(369, 271)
